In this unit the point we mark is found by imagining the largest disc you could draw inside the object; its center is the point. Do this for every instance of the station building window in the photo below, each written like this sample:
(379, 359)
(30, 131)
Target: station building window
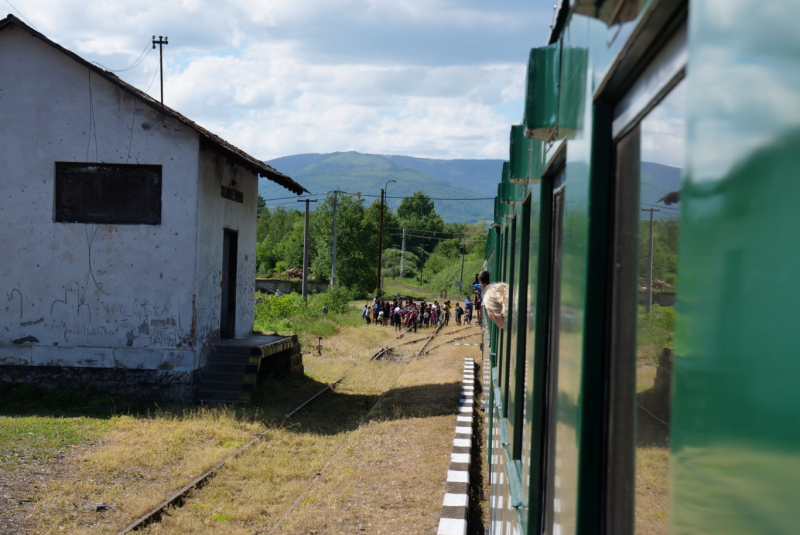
(107, 193)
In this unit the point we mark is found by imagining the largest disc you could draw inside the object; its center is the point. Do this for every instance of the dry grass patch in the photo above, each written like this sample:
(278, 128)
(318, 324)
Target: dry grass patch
(253, 491)
(390, 477)
(652, 457)
(138, 463)
(142, 459)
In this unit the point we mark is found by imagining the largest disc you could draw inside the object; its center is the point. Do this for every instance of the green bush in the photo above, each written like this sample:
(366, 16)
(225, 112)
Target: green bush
(289, 314)
(337, 299)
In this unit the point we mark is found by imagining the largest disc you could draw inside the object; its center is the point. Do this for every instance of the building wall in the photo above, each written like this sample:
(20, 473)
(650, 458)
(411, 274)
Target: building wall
(219, 214)
(82, 294)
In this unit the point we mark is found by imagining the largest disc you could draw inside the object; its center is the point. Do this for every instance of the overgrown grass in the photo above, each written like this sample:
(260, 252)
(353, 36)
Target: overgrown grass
(36, 424)
(289, 314)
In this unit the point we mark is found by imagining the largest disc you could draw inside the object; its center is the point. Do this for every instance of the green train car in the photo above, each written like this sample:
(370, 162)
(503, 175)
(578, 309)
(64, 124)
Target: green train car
(647, 379)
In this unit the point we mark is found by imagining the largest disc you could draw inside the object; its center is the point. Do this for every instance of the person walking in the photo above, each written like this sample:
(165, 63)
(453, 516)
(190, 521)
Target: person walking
(468, 310)
(366, 313)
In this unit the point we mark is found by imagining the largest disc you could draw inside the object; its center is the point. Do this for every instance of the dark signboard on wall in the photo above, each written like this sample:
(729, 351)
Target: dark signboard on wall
(108, 193)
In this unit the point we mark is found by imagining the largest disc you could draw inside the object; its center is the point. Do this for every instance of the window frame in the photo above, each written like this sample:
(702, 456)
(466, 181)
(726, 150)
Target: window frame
(656, 76)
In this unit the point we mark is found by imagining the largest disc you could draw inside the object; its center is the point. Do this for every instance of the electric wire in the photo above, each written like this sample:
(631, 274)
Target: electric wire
(155, 72)
(21, 15)
(136, 63)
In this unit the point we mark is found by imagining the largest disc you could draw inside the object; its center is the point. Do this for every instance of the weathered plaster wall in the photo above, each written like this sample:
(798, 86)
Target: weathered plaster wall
(218, 214)
(82, 294)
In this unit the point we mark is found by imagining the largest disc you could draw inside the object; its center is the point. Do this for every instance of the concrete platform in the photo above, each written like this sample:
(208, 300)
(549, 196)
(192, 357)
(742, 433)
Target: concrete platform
(236, 365)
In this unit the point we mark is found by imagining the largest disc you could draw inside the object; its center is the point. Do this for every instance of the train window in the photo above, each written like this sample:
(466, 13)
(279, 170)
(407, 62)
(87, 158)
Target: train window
(508, 330)
(521, 332)
(549, 370)
(649, 156)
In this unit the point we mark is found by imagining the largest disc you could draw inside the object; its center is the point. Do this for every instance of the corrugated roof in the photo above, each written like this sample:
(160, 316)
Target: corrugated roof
(208, 140)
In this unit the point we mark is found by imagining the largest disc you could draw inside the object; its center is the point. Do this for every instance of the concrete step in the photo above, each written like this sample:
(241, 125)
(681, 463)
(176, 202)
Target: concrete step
(234, 359)
(236, 350)
(228, 376)
(222, 367)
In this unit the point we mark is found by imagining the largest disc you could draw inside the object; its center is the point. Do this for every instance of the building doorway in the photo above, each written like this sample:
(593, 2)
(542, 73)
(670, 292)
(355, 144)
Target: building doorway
(230, 249)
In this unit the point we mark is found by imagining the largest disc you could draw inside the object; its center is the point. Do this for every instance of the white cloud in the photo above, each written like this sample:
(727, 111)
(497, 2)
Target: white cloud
(279, 77)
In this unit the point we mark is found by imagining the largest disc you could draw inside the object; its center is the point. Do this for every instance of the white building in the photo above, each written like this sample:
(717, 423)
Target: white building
(127, 232)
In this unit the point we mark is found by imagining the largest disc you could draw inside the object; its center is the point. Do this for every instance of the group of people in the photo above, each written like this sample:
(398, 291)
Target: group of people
(400, 313)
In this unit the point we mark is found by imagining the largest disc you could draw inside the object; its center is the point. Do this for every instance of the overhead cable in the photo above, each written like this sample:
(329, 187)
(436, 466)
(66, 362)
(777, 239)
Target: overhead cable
(133, 65)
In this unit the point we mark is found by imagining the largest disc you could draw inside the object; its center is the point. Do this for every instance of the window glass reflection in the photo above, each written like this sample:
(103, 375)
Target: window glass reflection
(662, 144)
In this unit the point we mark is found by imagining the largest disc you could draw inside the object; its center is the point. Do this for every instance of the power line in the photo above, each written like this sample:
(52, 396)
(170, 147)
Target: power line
(21, 15)
(296, 196)
(429, 198)
(358, 194)
(660, 206)
(151, 81)
(423, 237)
(139, 60)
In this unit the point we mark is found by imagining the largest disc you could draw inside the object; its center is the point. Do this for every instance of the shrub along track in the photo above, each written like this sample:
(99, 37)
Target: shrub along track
(177, 499)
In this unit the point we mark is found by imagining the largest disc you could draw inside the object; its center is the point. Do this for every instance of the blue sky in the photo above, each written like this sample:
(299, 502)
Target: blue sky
(429, 78)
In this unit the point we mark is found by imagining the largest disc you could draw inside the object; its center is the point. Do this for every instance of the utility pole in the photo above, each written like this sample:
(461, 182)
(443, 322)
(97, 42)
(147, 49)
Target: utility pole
(649, 302)
(403, 256)
(333, 252)
(305, 251)
(463, 251)
(380, 245)
(162, 40)
(384, 192)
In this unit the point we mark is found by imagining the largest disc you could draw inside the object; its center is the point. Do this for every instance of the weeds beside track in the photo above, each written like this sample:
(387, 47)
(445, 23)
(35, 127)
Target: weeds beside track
(177, 499)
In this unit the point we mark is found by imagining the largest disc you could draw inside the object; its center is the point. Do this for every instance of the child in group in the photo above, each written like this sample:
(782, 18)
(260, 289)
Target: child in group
(446, 312)
(426, 317)
(468, 310)
(366, 313)
(459, 311)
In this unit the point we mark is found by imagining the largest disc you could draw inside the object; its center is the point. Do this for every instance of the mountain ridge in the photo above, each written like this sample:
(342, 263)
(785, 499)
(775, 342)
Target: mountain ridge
(354, 172)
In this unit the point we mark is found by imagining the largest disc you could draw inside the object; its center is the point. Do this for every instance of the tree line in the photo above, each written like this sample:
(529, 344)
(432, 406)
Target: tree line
(434, 249)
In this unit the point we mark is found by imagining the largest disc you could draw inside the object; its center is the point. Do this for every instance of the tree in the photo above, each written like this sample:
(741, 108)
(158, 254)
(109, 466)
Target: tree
(280, 240)
(261, 204)
(418, 216)
(356, 244)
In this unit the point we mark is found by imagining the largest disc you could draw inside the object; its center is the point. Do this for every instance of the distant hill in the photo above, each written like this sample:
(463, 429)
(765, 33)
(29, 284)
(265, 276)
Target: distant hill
(368, 173)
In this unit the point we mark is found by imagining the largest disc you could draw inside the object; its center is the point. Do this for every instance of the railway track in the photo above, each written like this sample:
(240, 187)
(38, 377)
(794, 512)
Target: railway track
(177, 498)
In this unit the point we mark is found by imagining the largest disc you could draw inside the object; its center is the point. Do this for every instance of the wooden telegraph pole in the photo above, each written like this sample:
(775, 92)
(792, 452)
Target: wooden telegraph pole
(162, 40)
(649, 303)
(305, 251)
